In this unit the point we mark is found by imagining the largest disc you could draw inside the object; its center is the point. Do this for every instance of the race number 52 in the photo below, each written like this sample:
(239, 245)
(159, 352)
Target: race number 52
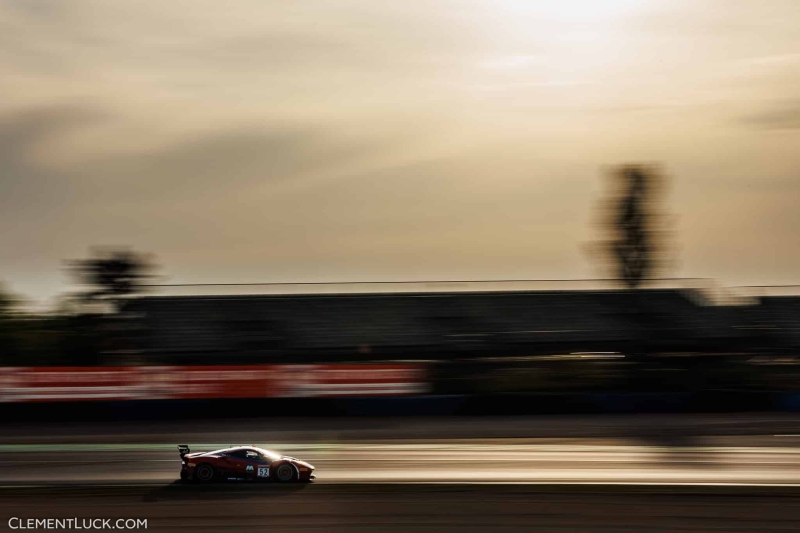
(263, 471)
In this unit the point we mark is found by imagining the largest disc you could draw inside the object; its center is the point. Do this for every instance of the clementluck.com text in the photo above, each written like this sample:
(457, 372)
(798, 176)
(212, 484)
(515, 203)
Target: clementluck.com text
(77, 523)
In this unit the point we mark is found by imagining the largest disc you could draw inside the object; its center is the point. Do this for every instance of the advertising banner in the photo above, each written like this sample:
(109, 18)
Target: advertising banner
(64, 384)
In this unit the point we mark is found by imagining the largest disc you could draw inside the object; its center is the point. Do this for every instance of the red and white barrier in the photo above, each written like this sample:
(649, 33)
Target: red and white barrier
(351, 380)
(61, 384)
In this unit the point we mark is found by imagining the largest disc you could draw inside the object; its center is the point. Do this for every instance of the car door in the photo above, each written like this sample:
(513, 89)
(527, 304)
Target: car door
(237, 463)
(253, 464)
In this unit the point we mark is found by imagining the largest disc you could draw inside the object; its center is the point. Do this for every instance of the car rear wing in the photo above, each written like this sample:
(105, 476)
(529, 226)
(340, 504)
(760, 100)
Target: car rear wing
(183, 449)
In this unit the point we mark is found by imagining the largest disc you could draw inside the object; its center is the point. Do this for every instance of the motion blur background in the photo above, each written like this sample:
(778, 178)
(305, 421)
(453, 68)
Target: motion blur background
(457, 242)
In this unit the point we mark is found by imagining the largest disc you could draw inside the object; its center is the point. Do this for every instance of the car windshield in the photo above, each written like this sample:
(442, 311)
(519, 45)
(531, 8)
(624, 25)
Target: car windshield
(268, 454)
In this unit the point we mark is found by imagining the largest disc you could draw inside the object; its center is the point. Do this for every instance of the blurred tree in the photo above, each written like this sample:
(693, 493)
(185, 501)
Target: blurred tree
(112, 274)
(8, 344)
(636, 244)
(634, 247)
(7, 303)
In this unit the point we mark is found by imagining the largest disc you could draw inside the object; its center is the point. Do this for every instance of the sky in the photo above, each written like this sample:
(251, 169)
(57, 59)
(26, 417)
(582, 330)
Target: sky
(354, 140)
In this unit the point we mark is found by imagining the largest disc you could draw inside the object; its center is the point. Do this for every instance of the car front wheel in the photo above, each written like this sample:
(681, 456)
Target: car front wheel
(285, 473)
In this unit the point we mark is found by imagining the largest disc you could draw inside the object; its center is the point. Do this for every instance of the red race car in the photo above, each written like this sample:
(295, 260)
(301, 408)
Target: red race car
(242, 463)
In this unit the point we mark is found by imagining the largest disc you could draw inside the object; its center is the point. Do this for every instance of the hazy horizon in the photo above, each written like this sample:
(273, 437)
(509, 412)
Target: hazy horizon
(349, 140)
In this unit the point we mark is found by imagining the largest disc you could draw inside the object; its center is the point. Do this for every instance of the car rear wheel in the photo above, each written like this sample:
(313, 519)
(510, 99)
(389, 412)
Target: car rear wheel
(204, 473)
(285, 473)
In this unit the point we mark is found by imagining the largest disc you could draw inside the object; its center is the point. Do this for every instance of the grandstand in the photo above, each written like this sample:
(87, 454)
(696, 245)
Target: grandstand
(365, 326)
(779, 317)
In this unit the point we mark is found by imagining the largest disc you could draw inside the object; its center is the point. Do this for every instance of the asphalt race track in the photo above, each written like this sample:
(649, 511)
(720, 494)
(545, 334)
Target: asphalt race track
(750, 450)
(666, 473)
(712, 461)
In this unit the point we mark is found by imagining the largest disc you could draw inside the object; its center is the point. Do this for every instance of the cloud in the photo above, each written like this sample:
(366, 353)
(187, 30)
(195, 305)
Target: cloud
(215, 189)
(782, 116)
(212, 163)
(27, 186)
(24, 126)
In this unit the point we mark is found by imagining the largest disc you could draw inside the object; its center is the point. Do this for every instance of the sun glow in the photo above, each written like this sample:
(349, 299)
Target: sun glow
(541, 45)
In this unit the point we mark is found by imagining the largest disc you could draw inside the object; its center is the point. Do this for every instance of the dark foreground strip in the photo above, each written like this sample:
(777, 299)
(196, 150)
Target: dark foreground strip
(711, 401)
(216, 490)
